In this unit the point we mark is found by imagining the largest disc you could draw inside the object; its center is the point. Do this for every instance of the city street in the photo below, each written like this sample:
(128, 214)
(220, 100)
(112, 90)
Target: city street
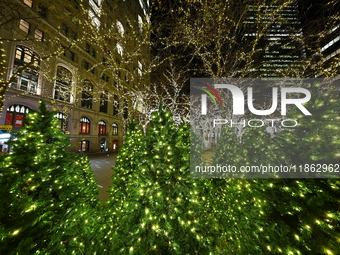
(101, 164)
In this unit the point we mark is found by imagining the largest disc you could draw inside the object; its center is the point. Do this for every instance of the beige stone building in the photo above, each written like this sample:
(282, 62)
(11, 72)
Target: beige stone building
(85, 58)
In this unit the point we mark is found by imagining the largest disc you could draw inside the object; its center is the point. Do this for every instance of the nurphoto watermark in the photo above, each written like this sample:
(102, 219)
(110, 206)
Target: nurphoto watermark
(244, 107)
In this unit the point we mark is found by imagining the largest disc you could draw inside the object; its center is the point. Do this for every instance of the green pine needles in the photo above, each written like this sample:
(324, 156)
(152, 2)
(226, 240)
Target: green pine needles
(50, 206)
(47, 193)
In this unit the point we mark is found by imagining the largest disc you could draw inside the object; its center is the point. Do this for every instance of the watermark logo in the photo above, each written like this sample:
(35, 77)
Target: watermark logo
(239, 99)
(211, 92)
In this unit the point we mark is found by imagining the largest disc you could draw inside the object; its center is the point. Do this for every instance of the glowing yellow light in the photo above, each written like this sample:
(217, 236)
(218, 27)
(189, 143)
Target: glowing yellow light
(16, 232)
(329, 252)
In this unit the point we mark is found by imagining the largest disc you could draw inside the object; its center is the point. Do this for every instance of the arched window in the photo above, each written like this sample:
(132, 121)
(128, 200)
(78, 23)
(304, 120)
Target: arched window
(84, 127)
(102, 127)
(115, 128)
(84, 145)
(63, 120)
(15, 115)
(87, 97)
(27, 80)
(62, 89)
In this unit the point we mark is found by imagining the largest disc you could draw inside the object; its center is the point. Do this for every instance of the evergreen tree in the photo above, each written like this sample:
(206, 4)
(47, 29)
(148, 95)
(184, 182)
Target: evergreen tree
(47, 193)
(160, 213)
(316, 138)
(284, 215)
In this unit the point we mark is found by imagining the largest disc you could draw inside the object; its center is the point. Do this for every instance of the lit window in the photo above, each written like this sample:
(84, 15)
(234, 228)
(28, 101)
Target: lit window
(24, 26)
(102, 127)
(28, 3)
(39, 35)
(15, 115)
(119, 49)
(63, 120)
(140, 68)
(115, 129)
(115, 145)
(27, 80)
(140, 24)
(84, 127)
(120, 28)
(86, 100)
(84, 145)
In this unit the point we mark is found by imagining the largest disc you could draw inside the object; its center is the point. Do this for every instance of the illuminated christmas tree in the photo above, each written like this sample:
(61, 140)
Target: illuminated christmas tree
(316, 138)
(48, 193)
(160, 213)
(283, 215)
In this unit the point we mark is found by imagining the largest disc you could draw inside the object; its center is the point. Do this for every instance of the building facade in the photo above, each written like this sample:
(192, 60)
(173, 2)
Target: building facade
(84, 58)
(279, 51)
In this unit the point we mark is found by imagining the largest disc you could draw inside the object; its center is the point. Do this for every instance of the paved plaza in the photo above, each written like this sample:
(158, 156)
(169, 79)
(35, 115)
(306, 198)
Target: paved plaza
(101, 164)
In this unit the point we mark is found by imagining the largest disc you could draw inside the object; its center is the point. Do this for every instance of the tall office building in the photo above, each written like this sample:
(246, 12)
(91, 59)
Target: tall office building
(83, 57)
(278, 53)
(322, 27)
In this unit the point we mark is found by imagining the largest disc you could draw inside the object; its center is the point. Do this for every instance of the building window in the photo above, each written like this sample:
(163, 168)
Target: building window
(87, 97)
(86, 65)
(84, 145)
(102, 127)
(39, 35)
(87, 48)
(93, 53)
(105, 77)
(62, 121)
(140, 68)
(64, 29)
(62, 89)
(115, 105)
(28, 3)
(126, 109)
(24, 55)
(70, 55)
(94, 13)
(84, 127)
(114, 128)
(27, 80)
(120, 28)
(90, 50)
(115, 145)
(42, 10)
(103, 102)
(73, 35)
(24, 26)
(15, 115)
(140, 24)
(119, 49)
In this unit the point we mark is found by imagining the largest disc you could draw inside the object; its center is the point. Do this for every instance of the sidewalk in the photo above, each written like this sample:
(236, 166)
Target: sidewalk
(101, 165)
